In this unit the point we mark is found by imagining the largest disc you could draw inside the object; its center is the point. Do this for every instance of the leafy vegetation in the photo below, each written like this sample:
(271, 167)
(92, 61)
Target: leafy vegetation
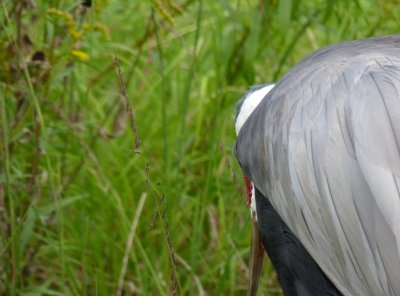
(98, 200)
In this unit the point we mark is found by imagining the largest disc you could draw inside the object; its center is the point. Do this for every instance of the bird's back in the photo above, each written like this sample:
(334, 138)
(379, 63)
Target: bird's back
(324, 147)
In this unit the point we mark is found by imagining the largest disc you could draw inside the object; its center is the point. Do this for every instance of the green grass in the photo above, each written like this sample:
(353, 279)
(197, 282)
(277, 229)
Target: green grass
(80, 212)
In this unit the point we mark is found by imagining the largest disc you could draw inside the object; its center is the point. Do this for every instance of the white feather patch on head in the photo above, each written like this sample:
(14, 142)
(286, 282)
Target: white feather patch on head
(251, 101)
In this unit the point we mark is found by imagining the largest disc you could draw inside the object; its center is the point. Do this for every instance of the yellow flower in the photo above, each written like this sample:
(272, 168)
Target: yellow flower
(97, 27)
(80, 55)
(69, 20)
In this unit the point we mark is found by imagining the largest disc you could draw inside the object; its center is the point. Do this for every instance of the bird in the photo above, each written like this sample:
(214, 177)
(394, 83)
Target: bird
(320, 154)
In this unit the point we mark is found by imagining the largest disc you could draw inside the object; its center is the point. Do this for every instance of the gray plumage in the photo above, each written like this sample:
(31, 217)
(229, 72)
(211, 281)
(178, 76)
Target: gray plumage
(323, 146)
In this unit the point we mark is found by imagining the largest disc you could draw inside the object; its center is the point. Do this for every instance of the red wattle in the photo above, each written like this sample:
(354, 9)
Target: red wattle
(249, 188)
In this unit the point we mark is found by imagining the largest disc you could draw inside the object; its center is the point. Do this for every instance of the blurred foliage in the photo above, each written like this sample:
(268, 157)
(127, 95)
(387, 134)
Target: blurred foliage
(80, 212)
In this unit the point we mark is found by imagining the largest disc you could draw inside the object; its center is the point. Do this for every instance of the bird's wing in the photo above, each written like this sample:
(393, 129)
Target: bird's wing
(324, 147)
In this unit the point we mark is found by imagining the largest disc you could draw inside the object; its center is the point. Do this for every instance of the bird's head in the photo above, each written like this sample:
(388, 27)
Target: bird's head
(245, 108)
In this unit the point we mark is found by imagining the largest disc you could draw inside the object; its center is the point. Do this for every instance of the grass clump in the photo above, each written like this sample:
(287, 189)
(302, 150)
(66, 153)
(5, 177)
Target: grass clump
(82, 212)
